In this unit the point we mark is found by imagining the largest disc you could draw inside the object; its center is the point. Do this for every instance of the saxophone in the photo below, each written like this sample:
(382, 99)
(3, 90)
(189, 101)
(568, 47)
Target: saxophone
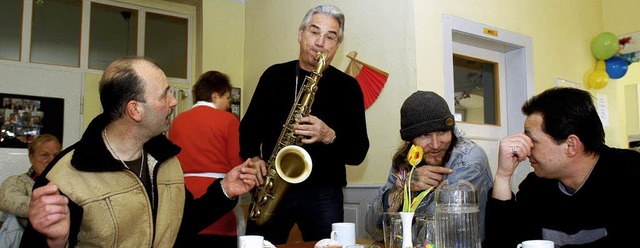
(289, 163)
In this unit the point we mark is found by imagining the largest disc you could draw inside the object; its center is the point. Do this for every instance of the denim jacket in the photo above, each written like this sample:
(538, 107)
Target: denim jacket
(468, 161)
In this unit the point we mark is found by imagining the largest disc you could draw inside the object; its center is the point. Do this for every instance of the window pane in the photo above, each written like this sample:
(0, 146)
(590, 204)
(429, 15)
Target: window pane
(113, 34)
(166, 43)
(10, 30)
(55, 34)
(475, 85)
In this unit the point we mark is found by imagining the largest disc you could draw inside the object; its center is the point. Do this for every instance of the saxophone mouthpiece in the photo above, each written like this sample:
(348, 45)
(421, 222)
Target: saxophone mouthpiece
(321, 57)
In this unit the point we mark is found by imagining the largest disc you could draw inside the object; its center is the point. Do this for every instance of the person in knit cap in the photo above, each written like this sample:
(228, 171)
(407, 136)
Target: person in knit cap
(426, 121)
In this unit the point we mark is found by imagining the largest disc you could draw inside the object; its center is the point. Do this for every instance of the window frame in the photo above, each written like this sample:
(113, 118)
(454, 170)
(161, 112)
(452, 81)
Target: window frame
(27, 15)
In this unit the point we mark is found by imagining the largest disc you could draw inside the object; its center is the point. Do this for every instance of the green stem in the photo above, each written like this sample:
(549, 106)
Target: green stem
(406, 206)
(410, 176)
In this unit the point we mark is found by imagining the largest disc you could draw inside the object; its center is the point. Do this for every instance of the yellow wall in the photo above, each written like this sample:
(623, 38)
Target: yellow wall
(222, 48)
(620, 16)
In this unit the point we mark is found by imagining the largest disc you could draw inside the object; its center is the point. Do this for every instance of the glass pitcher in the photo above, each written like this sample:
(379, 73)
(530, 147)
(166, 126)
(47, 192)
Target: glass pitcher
(457, 215)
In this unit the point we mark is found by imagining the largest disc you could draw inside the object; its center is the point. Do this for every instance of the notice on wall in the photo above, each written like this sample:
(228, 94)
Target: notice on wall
(602, 108)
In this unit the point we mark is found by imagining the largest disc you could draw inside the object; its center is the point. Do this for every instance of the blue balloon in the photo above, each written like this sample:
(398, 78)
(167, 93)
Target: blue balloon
(616, 67)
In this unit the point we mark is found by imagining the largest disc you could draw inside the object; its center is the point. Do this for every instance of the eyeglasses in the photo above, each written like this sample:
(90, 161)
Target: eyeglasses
(316, 33)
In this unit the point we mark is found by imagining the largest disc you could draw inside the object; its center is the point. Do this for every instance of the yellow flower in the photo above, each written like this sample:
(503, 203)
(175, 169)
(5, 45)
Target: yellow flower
(414, 157)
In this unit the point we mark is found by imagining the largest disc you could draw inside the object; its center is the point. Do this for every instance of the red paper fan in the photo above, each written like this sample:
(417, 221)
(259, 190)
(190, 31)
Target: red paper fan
(371, 80)
(371, 83)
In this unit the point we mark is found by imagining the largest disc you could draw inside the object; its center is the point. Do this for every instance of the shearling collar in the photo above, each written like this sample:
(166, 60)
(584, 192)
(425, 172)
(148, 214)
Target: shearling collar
(92, 155)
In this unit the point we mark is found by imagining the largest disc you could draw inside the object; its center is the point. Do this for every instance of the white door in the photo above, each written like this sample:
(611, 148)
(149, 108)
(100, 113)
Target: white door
(487, 135)
(512, 54)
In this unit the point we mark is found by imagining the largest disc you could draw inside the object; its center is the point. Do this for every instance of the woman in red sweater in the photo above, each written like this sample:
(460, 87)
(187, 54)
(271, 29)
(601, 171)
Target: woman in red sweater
(209, 138)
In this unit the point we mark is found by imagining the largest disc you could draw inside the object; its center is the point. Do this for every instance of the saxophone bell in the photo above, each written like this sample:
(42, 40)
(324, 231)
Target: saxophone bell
(293, 164)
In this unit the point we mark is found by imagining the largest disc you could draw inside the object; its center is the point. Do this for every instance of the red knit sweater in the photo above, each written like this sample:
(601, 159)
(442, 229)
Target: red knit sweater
(209, 140)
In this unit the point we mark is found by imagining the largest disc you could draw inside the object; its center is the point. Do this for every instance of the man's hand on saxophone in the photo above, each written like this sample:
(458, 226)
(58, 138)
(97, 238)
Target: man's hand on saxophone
(261, 166)
(312, 130)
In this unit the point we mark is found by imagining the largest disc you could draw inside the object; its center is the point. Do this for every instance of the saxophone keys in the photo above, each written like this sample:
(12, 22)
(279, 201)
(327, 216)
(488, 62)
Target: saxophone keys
(269, 184)
(263, 200)
(255, 213)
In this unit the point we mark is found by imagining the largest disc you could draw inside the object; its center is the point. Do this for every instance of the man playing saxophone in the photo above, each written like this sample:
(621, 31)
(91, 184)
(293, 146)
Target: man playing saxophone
(334, 133)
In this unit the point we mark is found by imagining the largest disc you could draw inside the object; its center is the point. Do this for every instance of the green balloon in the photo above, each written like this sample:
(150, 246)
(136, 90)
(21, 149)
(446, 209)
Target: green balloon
(604, 46)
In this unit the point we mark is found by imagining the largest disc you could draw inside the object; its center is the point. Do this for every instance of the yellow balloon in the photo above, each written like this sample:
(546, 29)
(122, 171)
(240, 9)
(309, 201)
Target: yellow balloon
(601, 65)
(598, 79)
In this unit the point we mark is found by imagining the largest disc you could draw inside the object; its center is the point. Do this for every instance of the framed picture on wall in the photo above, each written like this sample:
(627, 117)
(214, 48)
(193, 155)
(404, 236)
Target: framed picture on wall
(235, 101)
(23, 117)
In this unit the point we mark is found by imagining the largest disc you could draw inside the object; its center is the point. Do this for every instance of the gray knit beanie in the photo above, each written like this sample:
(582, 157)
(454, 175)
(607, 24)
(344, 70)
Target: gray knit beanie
(424, 112)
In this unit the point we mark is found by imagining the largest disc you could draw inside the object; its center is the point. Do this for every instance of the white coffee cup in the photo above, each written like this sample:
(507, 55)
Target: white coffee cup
(251, 241)
(536, 244)
(344, 233)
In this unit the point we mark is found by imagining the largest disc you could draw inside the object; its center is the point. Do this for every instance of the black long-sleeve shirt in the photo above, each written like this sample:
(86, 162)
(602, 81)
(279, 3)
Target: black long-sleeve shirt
(599, 214)
(338, 102)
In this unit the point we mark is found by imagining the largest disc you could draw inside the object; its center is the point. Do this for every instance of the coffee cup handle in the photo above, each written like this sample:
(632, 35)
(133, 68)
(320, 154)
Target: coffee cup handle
(519, 246)
(334, 235)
